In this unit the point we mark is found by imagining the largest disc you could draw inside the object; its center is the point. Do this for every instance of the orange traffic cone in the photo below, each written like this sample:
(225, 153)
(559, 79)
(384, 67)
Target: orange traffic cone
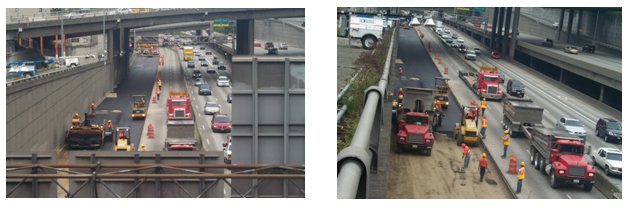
(151, 131)
(446, 70)
(154, 99)
(512, 165)
(439, 61)
(437, 56)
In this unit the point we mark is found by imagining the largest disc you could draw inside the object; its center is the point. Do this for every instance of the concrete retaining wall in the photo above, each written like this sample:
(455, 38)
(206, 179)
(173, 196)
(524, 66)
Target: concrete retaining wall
(39, 111)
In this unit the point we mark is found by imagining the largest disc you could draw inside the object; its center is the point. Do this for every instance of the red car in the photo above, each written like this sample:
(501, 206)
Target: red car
(257, 44)
(495, 55)
(221, 123)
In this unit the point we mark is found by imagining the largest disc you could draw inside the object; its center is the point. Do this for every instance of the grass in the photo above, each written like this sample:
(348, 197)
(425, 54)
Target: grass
(372, 67)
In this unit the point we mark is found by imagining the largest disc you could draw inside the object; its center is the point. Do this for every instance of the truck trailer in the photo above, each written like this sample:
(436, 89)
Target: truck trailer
(519, 113)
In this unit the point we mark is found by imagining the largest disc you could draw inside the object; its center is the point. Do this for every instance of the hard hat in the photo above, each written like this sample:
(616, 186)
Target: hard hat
(484, 99)
(142, 145)
(483, 154)
(463, 145)
(400, 89)
(522, 163)
(109, 121)
(506, 131)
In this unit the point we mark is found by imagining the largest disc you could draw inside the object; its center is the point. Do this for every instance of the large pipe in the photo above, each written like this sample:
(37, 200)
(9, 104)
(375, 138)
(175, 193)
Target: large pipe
(345, 89)
(341, 113)
(156, 176)
(349, 173)
(238, 166)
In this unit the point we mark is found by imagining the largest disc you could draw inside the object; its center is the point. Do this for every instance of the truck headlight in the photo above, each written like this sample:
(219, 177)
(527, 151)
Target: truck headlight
(402, 138)
(428, 140)
(561, 171)
(446, 103)
(611, 133)
(590, 174)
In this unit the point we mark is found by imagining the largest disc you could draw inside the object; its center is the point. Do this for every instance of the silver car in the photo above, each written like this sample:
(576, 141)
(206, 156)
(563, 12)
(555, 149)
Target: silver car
(610, 159)
(572, 126)
(223, 81)
(212, 107)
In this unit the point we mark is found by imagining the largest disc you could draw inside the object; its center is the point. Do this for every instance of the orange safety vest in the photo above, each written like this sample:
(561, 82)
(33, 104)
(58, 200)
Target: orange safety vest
(110, 124)
(159, 83)
(93, 106)
(506, 140)
(484, 123)
(521, 173)
(158, 91)
(484, 104)
(483, 162)
(466, 150)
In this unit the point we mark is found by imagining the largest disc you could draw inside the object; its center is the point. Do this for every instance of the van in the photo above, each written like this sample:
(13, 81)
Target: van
(71, 62)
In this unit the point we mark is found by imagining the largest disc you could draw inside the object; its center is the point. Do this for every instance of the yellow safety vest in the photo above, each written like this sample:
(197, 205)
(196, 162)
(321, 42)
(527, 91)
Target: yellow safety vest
(506, 140)
(484, 104)
(521, 173)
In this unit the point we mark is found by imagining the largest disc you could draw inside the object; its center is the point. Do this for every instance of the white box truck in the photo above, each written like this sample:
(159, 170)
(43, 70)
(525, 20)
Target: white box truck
(367, 28)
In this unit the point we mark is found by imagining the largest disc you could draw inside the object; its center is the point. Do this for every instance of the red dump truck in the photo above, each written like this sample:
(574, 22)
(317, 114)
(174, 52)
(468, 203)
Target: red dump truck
(179, 109)
(485, 83)
(561, 156)
(416, 121)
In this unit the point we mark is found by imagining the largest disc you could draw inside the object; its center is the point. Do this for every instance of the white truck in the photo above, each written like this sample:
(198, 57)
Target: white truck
(367, 28)
(70, 61)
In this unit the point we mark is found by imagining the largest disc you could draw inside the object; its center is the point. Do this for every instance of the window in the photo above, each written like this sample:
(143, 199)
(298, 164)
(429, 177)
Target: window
(615, 156)
(614, 126)
(297, 76)
(573, 123)
(571, 149)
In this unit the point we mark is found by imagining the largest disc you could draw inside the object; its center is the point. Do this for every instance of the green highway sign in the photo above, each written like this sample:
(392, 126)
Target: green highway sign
(220, 23)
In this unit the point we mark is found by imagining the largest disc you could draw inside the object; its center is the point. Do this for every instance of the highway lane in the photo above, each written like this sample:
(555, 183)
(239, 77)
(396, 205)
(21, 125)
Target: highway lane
(139, 80)
(420, 71)
(536, 184)
(212, 140)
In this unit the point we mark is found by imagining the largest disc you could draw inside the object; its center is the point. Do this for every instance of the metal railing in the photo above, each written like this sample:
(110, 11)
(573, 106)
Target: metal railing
(46, 16)
(354, 162)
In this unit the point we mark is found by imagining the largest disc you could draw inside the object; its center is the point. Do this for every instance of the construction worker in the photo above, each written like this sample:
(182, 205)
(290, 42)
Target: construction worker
(159, 83)
(400, 95)
(484, 126)
(505, 143)
(466, 155)
(122, 135)
(158, 90)
(484, 105)
(521, 177)
(109, 125)
(438, 105)
(142, 148)
(76, 120)
(93, 108)
(470, 115)
(483, 165)
(400, 70)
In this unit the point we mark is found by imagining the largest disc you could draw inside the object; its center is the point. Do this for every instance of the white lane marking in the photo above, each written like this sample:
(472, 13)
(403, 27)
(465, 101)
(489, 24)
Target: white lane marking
(528, 152)
(203, 127)
(568, 195)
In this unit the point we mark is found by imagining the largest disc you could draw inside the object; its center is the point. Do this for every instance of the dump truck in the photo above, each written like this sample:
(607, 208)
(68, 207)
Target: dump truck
(178, 144)
(188, 53)
(417, 120)
(485, 83)
(138, 103)
(560, 155)
(441, 91)
(123, 142)
(85, 136)
(519, 113)
(467, 131)
(179, 108)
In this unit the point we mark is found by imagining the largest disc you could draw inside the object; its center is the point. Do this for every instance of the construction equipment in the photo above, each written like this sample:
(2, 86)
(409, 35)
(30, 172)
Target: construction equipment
(123, 142)
(561, 156)
(441, 91)
(416, 120)
(188, 53)
(485, 84)
(138, 103)
(177, 144)
(179, 109)
(85, 135)
(466, 130)
(519, 113)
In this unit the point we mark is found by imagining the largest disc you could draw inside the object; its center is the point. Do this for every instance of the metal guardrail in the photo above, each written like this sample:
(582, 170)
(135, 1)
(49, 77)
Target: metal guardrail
(354, 162)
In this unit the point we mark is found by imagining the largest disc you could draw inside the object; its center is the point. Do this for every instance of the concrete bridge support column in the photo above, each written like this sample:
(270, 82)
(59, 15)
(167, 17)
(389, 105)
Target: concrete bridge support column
(506, 39)
(512, 43)
(499, 31)
(245, 37)
(579, 19)
(495, 22)
(124, 48)
(571, 16)
(114, 54)
(601, 98)
(561, 25)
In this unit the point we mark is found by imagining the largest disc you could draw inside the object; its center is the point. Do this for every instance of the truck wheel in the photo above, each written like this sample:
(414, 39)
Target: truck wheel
(541, 164)
(554, 180)
(459, 139)
(587, 187)
(72, 65)
(428, 152)
(607, 171)
(368, 41)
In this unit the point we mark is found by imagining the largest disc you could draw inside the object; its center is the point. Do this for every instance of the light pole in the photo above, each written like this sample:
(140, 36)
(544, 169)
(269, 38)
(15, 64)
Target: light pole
(62, 36)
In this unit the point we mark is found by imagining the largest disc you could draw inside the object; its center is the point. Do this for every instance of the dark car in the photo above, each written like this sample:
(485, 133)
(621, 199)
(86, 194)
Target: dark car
(204, 89)
(454, 36)
(221, 66)
(588, 48)
(269, 45)
(191, 64)
(547, 43)
(196, 74)
(515, 87)
(462, 50)
(215, 62)
(477, 50)
(202, 47)
(449, 40)
(211, 70)
(273, 51)
(229, 98)
(202, 58)
(207, 52)
(609, 130)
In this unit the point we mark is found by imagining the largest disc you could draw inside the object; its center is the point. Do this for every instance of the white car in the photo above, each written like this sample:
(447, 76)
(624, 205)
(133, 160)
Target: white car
(572, 126)
(460, 39)
(610, 159)
(446, 36)
(227, 150)
(223, 81)
(212, 107)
